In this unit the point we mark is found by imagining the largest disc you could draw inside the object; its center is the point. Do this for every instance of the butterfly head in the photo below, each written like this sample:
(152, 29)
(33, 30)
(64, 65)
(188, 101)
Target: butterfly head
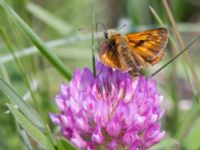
(109, 34)
(108, 45)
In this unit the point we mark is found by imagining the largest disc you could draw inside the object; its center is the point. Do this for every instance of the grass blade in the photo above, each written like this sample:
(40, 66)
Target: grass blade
(191, 141)
(52, 58)
(26, 139)
(34, 132)
(168, 143)
(16, 99)
(186, 122)
(48, 18)
(63, 143)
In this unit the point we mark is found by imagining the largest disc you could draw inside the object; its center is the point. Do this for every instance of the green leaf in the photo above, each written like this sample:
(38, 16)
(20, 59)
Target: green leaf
(34, 132)
(62, 144)
(16, 99)
(51, 20)
(191, 141)
(52, 58)
(26, 139)
(186, 121)
(167, 143)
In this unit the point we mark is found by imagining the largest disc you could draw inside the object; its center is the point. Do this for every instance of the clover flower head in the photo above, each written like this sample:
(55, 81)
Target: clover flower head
(110, 111)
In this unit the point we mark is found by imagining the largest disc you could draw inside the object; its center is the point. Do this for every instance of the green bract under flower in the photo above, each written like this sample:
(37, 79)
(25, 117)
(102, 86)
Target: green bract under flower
(111, 111)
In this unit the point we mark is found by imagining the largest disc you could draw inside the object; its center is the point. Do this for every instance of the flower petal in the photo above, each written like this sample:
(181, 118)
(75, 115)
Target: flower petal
(97, 136)
(112, 145)
(77, 140)
(55, 118)
(113, 128)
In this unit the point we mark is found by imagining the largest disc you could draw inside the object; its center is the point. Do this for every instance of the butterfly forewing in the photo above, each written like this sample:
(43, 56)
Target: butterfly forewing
(148, 44)
(110, 58)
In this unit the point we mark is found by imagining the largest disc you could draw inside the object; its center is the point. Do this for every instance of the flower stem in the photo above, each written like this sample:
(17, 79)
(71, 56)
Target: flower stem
(92, 37)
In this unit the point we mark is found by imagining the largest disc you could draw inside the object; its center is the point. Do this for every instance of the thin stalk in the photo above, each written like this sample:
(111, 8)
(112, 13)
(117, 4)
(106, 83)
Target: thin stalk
(92, 38)
(175, 48)
(177, 55)
(180, 40)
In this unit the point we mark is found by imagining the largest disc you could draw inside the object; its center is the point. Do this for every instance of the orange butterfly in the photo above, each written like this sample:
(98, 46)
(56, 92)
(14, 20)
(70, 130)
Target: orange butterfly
(133, 51)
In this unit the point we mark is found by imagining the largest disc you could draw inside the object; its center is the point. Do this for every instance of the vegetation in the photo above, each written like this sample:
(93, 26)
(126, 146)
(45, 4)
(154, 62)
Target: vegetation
(42, 42)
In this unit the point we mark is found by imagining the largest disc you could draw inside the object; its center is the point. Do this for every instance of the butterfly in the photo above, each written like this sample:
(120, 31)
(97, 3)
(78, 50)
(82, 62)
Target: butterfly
(134, 51)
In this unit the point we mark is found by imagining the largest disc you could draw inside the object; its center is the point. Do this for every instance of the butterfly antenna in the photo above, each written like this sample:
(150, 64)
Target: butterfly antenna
(181, 52)
(97, 25)
(83, 29)
(121, 27)
(100, 23)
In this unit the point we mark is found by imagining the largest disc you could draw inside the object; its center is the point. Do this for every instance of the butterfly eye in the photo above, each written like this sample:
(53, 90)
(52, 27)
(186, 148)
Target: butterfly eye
(112, 42)
(106, 35)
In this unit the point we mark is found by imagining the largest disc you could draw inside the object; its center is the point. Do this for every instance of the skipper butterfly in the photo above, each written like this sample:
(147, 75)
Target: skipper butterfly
(133, 51)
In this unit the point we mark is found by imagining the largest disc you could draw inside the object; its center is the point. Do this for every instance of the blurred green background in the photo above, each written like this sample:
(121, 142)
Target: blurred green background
(65, 26)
